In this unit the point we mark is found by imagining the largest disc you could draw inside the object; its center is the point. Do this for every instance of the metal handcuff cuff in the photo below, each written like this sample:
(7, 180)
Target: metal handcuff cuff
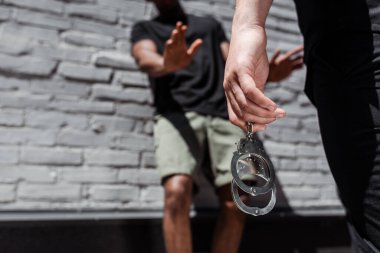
(253, 173)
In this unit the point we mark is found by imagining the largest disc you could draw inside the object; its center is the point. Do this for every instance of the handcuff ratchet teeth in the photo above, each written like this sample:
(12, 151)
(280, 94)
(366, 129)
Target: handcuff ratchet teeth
(253, 173)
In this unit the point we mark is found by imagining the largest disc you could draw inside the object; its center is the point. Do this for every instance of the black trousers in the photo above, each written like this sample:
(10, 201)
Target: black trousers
(343, 82)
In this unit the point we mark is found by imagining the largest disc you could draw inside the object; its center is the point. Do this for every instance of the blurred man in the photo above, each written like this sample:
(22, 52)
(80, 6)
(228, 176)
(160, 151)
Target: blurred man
(342, 49)
(184, 56)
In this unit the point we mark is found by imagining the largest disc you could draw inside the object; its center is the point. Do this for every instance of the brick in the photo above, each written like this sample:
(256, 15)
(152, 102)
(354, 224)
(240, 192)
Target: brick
(329, 193)
(53, 119)
(53, 193)
(27, 136)
(129, 10)
(135, 111)
(60, 87)
(309, 151)
(13, 45)
(311, 124)
(115, 59)
(318, 179)
(283, 13)
(44, 5)
(200, 8)
(296, 136)
(7, 193)
(287, 122)
(63, 53)
(148, 127)
(35, 174)
(30, 32)
(295, 110)
(303, 100)
(303, 193)
(23, 100)
(131, 78)
(290, 178)
(153, 193)
(89, 175)
(111, 124)
(51, 156)
(8, 155)
(100, 28)
(27, 65)
(280, 149)
(123, 46)
(111, 158)
(114, 193)
(120, 94)
(92, 12)
(5, 13)
(42, 20)
(289, 164)
(83, 106)
(88, 39)
(11, 117)
(142, 177)
(13, 84)
(81, 139)
(132, 141)
(281, 95)
(84, 72)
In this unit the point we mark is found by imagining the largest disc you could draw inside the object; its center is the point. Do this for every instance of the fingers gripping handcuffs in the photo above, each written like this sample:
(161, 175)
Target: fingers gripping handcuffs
(252, 173)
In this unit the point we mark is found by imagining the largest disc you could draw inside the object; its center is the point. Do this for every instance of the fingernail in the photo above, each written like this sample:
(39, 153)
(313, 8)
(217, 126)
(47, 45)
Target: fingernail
(272, 108)
(280, 115)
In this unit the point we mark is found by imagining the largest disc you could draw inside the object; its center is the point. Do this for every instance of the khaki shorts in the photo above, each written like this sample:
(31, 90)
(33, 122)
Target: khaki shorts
(190, 141)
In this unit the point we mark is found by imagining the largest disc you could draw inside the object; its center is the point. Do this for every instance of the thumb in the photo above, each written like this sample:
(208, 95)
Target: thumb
(194, 47)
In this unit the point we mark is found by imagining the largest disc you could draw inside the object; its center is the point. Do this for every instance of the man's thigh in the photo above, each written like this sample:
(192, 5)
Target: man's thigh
(179, 143)
(222, 139)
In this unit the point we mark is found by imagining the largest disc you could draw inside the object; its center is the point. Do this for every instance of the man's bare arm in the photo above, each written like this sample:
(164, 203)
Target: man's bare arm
(247, 67)
(176, 53)
(147, 58)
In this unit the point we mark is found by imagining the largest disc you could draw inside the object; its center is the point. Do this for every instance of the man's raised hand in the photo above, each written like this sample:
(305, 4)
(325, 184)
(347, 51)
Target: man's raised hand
(176, 53)
(282, 65)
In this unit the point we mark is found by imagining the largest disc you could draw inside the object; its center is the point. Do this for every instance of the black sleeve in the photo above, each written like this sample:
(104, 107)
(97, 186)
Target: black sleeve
(139, 33)
(220, 33)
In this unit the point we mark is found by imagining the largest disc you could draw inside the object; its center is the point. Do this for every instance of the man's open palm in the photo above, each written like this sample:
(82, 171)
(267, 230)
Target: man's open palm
(176, 54)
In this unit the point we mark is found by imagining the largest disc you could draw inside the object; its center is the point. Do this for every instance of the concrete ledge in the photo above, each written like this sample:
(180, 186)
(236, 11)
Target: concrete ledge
(64, 215)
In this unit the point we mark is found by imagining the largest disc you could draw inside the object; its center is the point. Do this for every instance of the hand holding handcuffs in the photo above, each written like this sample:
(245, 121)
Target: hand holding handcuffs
(253, 173)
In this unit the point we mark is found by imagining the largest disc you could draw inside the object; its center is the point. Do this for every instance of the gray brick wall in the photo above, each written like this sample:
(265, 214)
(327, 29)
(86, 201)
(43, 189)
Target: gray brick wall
(76, 115)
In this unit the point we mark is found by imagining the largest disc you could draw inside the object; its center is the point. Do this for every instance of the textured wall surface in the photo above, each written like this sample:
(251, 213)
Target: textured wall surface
(76, 115)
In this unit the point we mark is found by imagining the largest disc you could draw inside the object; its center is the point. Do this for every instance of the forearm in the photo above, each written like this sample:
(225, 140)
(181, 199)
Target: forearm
(152, 64)
(250, 14)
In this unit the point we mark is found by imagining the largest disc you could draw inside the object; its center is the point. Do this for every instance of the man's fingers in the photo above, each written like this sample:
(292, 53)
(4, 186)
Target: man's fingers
(233, 103)
(169, 43)
(175, 37)
(264, 113)
(295, 51)
(297, 66)
(181, 34)
(235, 119)
(194, 47)
(275, 55)
(248, 86)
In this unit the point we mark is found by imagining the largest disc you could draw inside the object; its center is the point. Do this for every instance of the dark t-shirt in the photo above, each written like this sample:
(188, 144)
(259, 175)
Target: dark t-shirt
(198, 87)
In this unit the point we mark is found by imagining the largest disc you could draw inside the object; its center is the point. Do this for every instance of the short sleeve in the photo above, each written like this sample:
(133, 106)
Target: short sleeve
(220, 33)
(139, 33)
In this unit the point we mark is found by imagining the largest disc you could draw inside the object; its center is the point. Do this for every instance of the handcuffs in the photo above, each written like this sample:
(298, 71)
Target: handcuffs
(253, 173)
